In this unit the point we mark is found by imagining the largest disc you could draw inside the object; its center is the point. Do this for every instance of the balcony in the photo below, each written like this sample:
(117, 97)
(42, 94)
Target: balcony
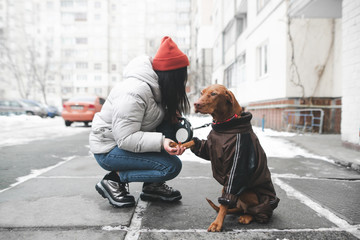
(315, 8)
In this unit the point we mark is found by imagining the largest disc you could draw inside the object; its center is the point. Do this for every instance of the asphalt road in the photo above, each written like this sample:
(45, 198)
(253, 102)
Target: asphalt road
(319, 200)
(19, 160)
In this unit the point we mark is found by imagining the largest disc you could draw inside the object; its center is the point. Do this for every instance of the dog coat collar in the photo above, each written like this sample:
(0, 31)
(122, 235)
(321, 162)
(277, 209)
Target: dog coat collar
(227, 120)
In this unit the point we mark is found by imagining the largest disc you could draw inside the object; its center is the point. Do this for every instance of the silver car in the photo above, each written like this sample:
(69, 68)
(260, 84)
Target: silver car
(11, 107)
(33, 107)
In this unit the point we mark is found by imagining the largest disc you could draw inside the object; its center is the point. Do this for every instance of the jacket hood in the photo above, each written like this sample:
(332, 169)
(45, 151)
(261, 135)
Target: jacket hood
(141, 69)
(236, 125)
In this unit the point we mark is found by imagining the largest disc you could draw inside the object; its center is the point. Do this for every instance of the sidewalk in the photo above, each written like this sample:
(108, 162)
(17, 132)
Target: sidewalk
(330, 146)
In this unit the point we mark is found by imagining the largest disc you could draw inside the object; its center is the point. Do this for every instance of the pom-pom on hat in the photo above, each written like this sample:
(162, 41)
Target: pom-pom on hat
(169, 56)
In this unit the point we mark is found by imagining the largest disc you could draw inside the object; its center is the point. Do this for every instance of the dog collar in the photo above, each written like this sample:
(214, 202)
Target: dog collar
(227, 120)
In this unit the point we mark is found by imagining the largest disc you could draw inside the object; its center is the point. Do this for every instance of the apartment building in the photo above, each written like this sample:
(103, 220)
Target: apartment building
(275, 61)
(202, 41)
(167, 18)
(80, 47)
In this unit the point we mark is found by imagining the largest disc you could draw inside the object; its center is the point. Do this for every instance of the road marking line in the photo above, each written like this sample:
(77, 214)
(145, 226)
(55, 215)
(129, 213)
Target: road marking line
(341, 223)
(294, 176)
(101, 176)
(36, 172)
(133, 232)
(332, 229)
(70, 177)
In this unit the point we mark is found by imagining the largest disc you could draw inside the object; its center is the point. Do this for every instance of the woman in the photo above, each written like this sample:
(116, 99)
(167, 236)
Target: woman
(124, 139)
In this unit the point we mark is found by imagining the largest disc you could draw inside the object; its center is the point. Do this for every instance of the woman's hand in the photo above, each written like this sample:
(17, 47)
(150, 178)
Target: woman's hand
(178, 150)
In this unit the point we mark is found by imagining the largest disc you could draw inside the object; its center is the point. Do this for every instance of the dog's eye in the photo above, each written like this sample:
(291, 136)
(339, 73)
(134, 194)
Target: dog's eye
(213, 94)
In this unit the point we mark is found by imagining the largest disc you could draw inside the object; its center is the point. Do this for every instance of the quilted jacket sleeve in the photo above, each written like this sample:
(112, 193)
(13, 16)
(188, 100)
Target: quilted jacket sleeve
(127, 116)
(201, 148)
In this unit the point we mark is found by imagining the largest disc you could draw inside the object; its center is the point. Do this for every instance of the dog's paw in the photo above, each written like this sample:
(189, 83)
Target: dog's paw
(245, 219)
(215, 227)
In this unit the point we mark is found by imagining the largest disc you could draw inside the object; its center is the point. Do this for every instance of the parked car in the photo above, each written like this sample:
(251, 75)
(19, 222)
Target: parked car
(52, 111)
(81, 109)
(11, 107)
(34, 108)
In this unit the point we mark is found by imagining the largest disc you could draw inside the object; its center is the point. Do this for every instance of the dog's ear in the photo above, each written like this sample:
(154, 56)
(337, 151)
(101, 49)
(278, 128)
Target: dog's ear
(230, 97)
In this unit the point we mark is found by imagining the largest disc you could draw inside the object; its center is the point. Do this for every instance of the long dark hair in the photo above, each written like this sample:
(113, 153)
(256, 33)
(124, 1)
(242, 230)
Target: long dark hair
(173, 92)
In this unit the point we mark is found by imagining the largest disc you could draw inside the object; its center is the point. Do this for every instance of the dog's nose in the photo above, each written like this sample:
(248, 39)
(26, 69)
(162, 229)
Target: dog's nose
(196, 105)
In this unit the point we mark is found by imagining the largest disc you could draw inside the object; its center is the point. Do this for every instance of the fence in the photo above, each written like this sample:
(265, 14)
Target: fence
(304, 119)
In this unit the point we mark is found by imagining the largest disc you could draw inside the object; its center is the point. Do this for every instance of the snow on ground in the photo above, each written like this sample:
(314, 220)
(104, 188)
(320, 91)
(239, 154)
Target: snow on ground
(272, 142)
(23, 129)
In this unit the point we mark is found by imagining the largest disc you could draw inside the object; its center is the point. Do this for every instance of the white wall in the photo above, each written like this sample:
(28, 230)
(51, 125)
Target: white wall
(350, 122)
(266, 26)
(317, 46)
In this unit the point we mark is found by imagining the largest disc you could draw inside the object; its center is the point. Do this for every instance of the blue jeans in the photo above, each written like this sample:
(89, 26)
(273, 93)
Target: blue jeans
(141, 167)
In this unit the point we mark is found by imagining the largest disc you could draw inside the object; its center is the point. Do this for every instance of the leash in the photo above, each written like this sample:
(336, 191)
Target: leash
(202, 126)
(208, 124)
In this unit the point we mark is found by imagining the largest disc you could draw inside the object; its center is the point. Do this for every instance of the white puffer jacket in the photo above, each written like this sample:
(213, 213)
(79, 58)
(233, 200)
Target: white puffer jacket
(131, 113)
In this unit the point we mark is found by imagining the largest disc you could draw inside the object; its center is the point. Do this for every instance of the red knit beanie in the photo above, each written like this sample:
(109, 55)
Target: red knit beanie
(169, 56)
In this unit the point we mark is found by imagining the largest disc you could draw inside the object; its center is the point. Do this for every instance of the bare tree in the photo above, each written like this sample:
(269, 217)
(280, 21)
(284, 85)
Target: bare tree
(29, 68)
(13, 61)
(40, 69)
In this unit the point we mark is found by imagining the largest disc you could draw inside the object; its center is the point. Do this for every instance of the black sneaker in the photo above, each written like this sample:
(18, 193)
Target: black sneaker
(115, 192)
(159, 191)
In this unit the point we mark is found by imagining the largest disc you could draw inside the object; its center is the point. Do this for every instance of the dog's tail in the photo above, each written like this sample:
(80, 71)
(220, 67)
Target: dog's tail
(216, 208)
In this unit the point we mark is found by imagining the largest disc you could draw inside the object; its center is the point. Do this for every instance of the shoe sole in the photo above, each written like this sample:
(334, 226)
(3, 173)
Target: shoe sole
(153, 197)
(102, 191)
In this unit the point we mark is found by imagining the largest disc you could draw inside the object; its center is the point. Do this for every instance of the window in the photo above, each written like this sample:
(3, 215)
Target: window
(97, 78)
(241, 67)
(102, 101)
(81, 65)
(68, 52)
(114, 79)
(230, 76)
(113, 67)
(229, 36)
(66, 90)
(67, 3)
(97, 66)
(240, 25)
(82, 89)
(67, 77)
(98, 91)
(80, 17)
(260, 4)
(262, 60)
(81, 77)
(81, 40)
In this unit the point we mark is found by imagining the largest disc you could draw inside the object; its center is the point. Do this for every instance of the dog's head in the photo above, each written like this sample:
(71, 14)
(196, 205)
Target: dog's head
(217, 101)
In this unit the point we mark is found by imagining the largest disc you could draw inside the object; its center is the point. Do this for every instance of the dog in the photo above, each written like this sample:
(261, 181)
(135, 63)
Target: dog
(238, 161)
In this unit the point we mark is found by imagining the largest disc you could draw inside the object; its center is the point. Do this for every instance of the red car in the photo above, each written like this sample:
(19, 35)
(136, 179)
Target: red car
(81, 109)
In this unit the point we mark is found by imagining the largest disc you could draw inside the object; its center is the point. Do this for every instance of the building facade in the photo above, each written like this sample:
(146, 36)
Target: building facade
(279, 65)
(52, 50)
(200, 56)
(292, 63)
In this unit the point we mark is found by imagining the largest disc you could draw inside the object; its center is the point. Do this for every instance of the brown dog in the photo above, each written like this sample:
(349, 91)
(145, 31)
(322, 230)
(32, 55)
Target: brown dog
(237, 158)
